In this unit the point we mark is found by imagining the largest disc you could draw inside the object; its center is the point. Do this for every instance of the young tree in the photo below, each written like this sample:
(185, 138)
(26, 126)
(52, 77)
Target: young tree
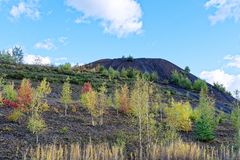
(124, 99)
(102, 101)
(87, 87)
(24, 98)
(121, 101)
(178, 116)
(187, 70)
(36, 125)
(88, 99)
(66, 97)
(9, 92)
(17, 53)
(124, 73)
(1, 98)
(235, 119)
(140, 107)
(206, 122)
(116, 100)
(39, 104)
(44, 88)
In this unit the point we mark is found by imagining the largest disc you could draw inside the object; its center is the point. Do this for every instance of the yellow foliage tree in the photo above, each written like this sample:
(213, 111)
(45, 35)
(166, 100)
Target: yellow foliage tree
(39, 104)
(89, 101)
(139, 105)
(103, 102)
(179, 116)
(66, 97)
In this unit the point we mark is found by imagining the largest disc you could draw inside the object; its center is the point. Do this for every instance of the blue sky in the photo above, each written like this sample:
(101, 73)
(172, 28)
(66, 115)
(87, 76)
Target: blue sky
(201, 34)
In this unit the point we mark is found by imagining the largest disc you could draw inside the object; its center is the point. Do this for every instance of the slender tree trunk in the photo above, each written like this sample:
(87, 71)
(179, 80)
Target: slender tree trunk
(37, 138)
(53, 152)
(101, 120)
(140, 137)
(148, 134)
(93, 123)
(65, 112)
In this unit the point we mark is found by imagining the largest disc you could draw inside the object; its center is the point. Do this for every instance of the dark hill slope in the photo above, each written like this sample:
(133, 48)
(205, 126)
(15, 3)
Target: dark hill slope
(164, 70)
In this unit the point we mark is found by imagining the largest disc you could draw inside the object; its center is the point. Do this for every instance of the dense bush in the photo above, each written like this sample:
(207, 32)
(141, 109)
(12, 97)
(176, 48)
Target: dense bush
(221, 88)
(181, 80)
(15, 115)
(65, 68)
(113, 73)
(124, 73)
(199, 84)
(10, 103)
(179, 116)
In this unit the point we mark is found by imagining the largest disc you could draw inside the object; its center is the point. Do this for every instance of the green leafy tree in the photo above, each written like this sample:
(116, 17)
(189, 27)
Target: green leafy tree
(102, 101)
(124, 73)
(187, 69)
(6, 57)
(17, 53)
(116, 100)
(235, 119)
(36, 125)
(67, 67)
(9, 92)
(66, 95)
(112, 73)
(181, 80)
(206, 122)
(39, 104)
(140, 107)
(154, 76)
(199, 84)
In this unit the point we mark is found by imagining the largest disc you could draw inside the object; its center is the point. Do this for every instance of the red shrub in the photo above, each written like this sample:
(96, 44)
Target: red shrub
(9, 103)
(24, 98)
(87, 87)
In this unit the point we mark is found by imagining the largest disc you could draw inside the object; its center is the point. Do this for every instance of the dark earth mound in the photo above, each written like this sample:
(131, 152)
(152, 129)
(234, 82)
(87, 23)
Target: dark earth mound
(164, 70)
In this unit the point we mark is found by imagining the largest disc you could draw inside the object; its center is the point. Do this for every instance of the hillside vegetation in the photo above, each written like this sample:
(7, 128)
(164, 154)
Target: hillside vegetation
(101, 112)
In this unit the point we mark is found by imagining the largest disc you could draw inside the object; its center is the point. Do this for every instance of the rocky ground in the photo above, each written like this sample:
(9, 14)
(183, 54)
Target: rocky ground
(76, 127)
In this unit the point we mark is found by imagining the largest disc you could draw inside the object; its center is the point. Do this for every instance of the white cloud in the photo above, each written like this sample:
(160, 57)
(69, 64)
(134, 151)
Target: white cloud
(224, 9)
(119, 17)
(26, 8)
(234, 61)
(46, 44)
(36, 59)
(60, 59)
(62, 40)
(82, 19)
(230, 81)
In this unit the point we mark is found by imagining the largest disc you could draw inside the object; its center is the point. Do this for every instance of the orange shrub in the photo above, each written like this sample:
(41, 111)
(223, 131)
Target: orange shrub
(24, 98)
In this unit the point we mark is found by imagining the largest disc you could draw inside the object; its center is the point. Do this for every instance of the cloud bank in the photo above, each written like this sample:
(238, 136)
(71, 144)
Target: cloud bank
(224, 9)
(26, 8)
(230, 81)
(119, 17)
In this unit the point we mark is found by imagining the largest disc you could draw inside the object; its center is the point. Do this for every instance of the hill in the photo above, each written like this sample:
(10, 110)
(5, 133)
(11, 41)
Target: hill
(76, 127)
(164, 70)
